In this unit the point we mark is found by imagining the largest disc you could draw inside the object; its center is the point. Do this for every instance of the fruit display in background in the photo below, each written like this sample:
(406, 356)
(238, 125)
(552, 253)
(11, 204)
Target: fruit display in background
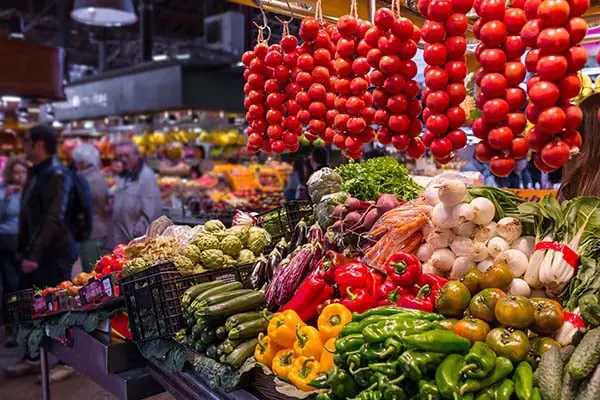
(444, 52)
(390, 46)
(553, 33)
(500, 98)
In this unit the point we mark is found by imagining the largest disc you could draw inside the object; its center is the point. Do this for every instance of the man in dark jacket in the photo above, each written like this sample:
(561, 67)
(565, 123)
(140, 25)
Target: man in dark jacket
(47, 248)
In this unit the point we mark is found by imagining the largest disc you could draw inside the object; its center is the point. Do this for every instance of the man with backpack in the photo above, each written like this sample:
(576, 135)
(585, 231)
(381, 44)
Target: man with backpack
(53, 208)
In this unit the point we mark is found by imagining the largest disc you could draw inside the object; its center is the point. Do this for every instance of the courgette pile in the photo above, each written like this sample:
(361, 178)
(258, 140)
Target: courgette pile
(223, 320)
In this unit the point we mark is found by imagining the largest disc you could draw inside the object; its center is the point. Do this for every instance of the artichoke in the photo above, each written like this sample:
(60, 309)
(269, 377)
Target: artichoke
(192, 252)
(135, 265)
(246, 257)
(258, 239)
(231, 246)
(229, 261)
(241, 232)
(206, 242)
(212, 259)
(183, 264)
(213, 226)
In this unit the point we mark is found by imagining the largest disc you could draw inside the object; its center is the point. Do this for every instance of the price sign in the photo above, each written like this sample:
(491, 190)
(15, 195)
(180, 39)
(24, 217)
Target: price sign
(91, 292)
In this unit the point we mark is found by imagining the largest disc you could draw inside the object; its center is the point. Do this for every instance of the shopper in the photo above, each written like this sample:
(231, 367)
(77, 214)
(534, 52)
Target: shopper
(87, 163)
(14, 176)
(581, 175)
(46, 245)
(137, 199)
(319, 158)
(296, 187)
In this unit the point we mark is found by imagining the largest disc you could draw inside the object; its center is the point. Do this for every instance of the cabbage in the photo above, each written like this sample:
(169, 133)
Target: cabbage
(212, 259)
(323, 182)
(324, 209)
(206, 242)
(231, 246)
(214, 225)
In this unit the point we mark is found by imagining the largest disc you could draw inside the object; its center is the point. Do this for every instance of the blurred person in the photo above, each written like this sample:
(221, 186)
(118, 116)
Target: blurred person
(522, 169)
(14, 176)
(319, 158)
(200, 165)
(137, 200)
(581, 175)
(46, 245)
(474, 165)
(296, 188)
(86, 159)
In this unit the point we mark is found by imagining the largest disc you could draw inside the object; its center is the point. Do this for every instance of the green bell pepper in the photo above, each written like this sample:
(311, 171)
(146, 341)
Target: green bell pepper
(447, 376)
(504, 389)
(428, 390)
(479, 362)
(523, 380)
(389, 388)
(320, 382)
(382, 330)
(439, 341)
(502, 369)
(535, 394)
(485, 394)
(414, 364)
(348, 344)
(342, 384)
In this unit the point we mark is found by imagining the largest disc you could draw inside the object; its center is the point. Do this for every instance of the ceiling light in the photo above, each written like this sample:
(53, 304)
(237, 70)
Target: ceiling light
(11, 99)
(185, 56)
(107, 13)
(160, 57)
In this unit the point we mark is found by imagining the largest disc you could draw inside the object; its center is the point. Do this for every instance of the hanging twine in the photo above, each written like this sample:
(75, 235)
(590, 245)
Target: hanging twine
(319, 12)
(354, 9)
(396, 8)
(260, 38)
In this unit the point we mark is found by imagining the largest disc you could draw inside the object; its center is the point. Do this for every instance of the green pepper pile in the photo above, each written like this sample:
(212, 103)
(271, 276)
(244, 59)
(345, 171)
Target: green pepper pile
(395, 353)
(223, 321)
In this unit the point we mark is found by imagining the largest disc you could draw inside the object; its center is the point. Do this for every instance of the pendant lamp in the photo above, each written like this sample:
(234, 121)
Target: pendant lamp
(104, 12)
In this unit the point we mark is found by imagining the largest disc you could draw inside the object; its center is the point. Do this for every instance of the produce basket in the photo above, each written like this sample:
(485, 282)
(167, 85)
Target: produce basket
(153, 297)
(19, 306)
(281, 221)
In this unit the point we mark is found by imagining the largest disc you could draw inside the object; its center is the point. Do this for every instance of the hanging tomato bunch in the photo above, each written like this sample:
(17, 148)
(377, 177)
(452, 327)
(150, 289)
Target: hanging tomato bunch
(554, 29)
(314, 73)
(500, 98)
(389, 47)
(354, 103)
(444, 52)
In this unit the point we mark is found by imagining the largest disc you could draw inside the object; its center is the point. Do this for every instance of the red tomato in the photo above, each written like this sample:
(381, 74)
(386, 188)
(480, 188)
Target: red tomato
(403, 28)
(553, 40)
(514, 72)
(384, 135)
(397, 104)
(384, 19)
(415, 128)
(345, 47)
(544, 94)
(437, 124)
(381, 117)
(359, 86)
(353, 144)
(458, 138)
(368, 114)
(531, 59)
(477, 28)
(390, 64)
(532, 113)
(408, 69)
(551, 121)
(514, 47)
(500, 138)
(457, 71)
(531, 7)
(374, 57)
(436, 78)
(493, 85)
(309, 28)
(483, 152)
(515, 97)
(428, 138)
(577, 28)
(380, 97)
(553, 12)
(514, 19)
(530, 32)
(456, 117)
(278, 146)
(399, 123)
(372, 36)
(438, 101)
(519, 148)
(408, 49)
(495, 110)
(480, 129)
(578, 7)
(456, 47)
(439, 10)
(540, 164)
(433, 32)
(516, 122)
(555, 154)
(389, 44)
(356, 125)
(551, 67)
(441, 147)
(491, 9)
(416, 148)
(456, 24)
(502, 165)
(341, 122)
(493, 33)
(401, 142)
(492, 60)
(354, 105)
(572, 138)
(576, 58)
(411, 88)
(347, 25)
(574, 116)
(434, 54)
(457, 93)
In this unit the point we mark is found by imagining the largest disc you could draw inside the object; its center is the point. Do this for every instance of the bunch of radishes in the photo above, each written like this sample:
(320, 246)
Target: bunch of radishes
(389, 47)
(500, 97)
(354, 101)
(444, 52)
(554, 29)
(463, 236)
(315, 75)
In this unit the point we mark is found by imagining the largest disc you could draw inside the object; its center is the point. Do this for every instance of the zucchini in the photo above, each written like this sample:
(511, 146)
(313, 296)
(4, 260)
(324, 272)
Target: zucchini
(211, 351)
(225, 287)
(251, 301)
(221, 297)
(549, 374)
(249, 329)
(230, 345)
(237, 319)
(208, 336)
(190, 294)
(221, 333)
(590, 388)
(586, 356)
(241, 353)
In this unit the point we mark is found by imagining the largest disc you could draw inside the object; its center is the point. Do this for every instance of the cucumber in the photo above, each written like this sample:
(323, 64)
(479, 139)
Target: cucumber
(569, 386)
(225, 287)
(211, 351)
(241, 353)
(190, 294)
(221, 333)
(237, 319)
(221, 297)
(208, 336)
(586, 356)
(248, 302)
(549, 374)
(590, 388)
(230, 345)
(249, 329)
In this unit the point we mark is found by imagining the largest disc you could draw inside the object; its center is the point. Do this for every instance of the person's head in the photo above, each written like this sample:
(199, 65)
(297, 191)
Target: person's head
(581, 175)
(85, 155)
(319, 157)
(129, 155)
(15, 171)
(39, 143)
(200, 152)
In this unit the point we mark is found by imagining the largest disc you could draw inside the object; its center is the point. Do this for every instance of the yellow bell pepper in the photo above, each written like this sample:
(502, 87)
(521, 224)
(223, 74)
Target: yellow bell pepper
(265, 350)
(282, 328)
(304, 370)
(308, 342)
(332, 320)
(282, 362)
(326, 361)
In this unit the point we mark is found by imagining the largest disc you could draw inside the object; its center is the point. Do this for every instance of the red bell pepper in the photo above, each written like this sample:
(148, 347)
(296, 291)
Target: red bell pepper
(311, 293)
(355, 275)
(382, 292)
(377, 281)
(435, 281)
(424, 299)
(358, 300)
(329, 263)
(403, 268)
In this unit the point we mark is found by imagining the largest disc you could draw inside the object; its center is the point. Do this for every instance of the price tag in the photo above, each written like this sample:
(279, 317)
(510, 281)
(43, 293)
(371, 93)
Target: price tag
(107, 284)
(91, 292)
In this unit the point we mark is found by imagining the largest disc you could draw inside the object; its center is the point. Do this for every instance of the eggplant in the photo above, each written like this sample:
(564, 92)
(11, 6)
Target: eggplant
(316, 259)
(283, 247)
(315, 234)
(272, 262)
(292, 275)
(299, 236)
(258, 276)
(273, 288)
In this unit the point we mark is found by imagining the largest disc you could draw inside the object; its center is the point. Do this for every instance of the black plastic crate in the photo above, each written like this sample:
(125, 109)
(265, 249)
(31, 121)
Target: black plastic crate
(281, 221)
(19, 306)
(153, 297)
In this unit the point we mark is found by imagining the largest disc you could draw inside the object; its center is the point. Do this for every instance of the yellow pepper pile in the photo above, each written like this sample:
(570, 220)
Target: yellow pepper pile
(299, 352)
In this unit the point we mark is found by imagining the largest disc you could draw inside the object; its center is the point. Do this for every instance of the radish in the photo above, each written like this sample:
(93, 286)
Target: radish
(386, 202)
